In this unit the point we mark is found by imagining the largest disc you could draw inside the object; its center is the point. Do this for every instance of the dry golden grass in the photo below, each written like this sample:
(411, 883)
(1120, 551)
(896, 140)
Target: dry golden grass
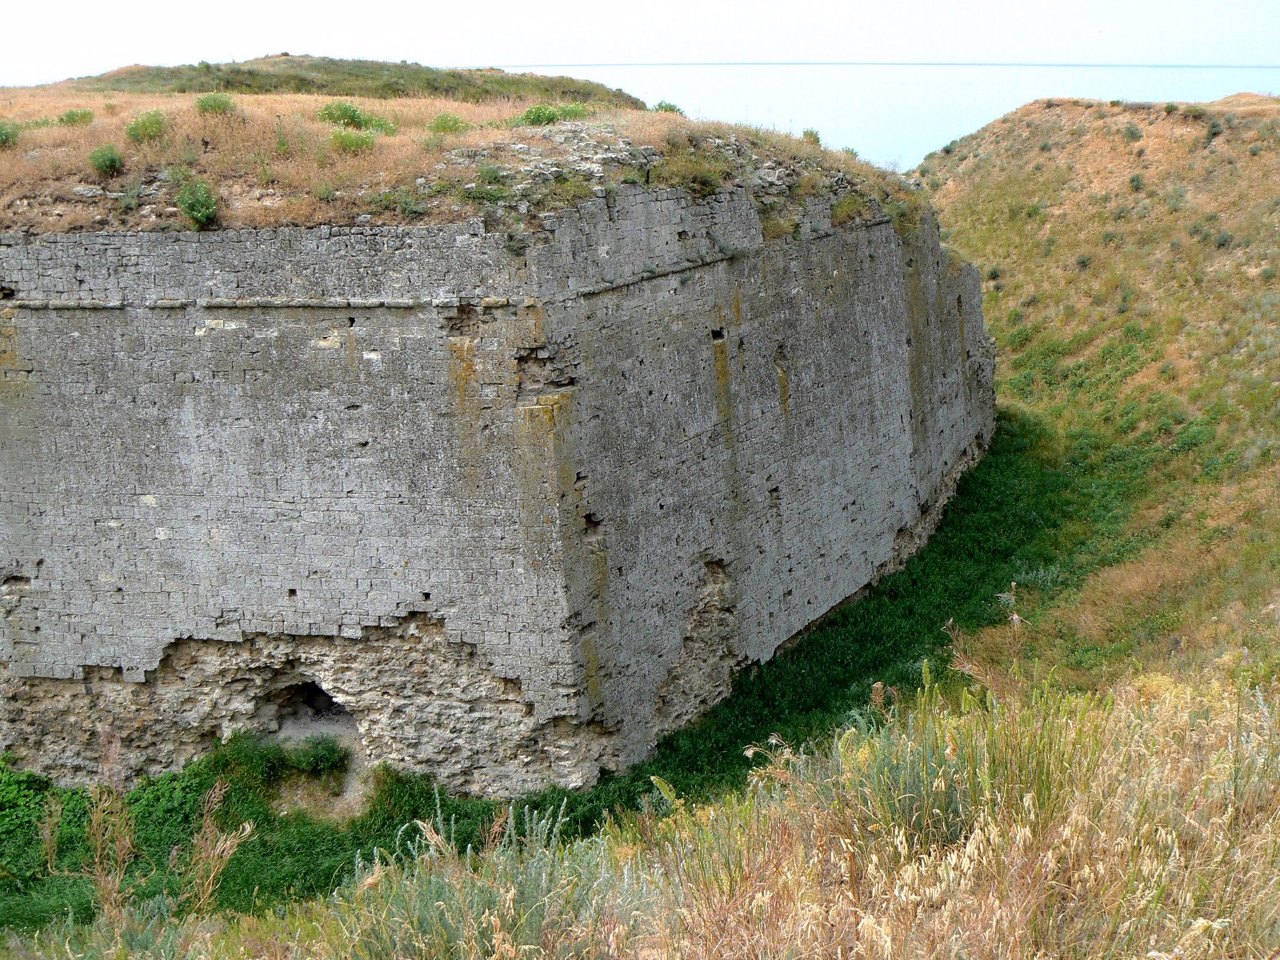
(1146, 824)
(272, 161)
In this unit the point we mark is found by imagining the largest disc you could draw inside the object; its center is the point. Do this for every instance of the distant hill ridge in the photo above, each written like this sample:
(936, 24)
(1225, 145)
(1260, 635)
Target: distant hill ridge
(285, 73)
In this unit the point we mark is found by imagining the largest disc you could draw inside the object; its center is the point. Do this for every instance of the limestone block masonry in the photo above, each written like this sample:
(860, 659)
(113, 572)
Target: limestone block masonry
(519, 509)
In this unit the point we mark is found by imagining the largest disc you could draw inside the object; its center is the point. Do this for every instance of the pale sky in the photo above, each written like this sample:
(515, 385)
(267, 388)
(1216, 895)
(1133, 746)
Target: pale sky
(891, 115)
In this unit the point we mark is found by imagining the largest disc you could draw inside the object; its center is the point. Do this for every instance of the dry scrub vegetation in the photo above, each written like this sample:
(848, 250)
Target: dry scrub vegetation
(274, 159)
(1041, 824)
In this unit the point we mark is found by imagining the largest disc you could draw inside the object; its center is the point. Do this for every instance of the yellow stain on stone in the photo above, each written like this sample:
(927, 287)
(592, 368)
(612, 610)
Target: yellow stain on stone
(462, 375)
(462, 368)
(13, 370)
(544, 468)
(724, 389)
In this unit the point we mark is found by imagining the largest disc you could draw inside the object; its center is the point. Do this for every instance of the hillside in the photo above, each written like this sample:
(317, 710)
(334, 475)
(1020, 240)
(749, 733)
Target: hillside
(1097, 778)
(1130, 253)
(328, 76)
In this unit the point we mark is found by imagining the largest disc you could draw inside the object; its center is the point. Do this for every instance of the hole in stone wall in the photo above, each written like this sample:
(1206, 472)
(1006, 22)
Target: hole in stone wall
(309, 701)
(960, 304)
(305, 709)
(717, 334)
(293, 592)
(7, 293)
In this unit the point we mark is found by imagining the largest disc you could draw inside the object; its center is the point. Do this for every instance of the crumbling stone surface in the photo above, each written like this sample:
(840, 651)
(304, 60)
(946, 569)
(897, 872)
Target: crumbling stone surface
(519, 510)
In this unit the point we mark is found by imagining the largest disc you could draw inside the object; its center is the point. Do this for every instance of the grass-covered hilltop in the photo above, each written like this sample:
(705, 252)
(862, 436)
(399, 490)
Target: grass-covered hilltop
(306, 141)
(1054, 733)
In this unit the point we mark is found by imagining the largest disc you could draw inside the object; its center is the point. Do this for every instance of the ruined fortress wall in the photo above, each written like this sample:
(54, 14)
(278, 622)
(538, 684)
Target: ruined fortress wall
(520, 511)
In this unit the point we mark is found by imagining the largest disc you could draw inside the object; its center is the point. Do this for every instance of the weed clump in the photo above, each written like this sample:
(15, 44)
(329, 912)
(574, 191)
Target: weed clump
(544, 114)
(215, 104)
(341, 113)
(666, 106)
(76, 118)
(148, 127)
(352, 141)
(197, 200)
(8, 133)
(447, 123)
(850, 207)
(107, 161)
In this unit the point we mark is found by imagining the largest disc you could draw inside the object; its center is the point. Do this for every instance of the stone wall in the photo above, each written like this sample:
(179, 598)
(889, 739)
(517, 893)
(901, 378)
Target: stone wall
(520, 510)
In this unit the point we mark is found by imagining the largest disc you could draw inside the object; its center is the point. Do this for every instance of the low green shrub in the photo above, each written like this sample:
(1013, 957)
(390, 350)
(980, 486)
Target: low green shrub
(197, 200)
(541, 115)
(810, 135)
(8, 133)
(343, 114)
(215, 104)
(349, 116)
(76, 118)
(352, 141)
(107, 161)
(148, 127)
(544, 114)
(447, 123)
(666, 106)
(1132, 132)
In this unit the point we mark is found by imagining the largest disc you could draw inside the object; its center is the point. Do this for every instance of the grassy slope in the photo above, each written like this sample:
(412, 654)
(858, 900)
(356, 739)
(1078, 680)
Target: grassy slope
(355, 78)
(1131, 496)
(1131, 254)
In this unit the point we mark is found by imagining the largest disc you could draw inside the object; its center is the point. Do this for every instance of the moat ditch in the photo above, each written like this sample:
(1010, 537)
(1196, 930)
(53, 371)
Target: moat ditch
(1041, 509)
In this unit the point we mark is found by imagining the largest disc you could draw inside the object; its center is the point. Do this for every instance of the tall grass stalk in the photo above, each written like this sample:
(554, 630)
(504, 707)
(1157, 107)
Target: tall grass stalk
(1035, 824)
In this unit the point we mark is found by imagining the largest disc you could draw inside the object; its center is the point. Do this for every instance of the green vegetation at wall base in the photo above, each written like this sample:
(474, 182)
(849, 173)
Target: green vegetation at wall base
(1041, 508)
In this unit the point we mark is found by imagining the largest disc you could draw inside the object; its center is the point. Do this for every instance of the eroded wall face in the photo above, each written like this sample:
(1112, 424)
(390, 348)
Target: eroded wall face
(281, 488)
(519, 511)
(805, 408)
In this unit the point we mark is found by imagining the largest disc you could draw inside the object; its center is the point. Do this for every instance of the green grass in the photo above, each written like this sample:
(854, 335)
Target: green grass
(1038, 502)
(148, 127)
(355, 78)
